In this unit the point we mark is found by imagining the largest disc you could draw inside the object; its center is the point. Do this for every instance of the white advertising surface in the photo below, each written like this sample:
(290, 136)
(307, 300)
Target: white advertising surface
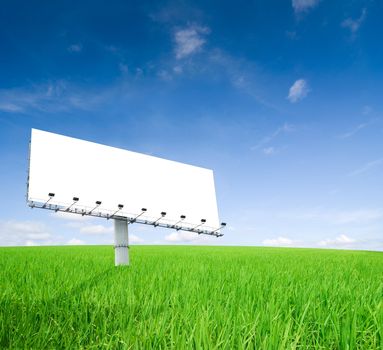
(70, 167)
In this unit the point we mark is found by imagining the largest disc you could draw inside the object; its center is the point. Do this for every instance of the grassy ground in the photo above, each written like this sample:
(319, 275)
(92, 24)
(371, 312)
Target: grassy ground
(191, 297)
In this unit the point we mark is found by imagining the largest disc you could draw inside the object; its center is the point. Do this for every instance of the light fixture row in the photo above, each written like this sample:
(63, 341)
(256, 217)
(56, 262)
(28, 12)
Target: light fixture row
(121, 206)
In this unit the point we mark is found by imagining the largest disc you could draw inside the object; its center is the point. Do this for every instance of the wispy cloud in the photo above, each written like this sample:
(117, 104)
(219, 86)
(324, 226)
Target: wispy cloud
(124, 69)
(50, 97)
(279, 242)
(163, 74)
(285, 128)
(189, 40)
(356, 216)
(10, 107)
(298, 91)
(367, 167)
(241, 74)
(355, 130)
(270, 151)
(292, 34)
(75, 48)
(338, 242)
(300, 6)
(334, 217)
(354, 24)
(213, 63)
(366, 110)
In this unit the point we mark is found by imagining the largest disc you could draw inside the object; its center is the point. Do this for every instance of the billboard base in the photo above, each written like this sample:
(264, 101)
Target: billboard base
(121, 242)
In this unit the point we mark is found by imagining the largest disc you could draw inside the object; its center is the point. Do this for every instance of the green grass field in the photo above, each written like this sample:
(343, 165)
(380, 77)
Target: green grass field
(191, 297)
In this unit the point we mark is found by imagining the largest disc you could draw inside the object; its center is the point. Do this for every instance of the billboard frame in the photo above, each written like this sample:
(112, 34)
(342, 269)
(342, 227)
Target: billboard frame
(121, 219)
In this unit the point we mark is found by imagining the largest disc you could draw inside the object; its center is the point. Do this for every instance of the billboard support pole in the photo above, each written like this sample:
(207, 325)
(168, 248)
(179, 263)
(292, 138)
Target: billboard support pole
(121, 242)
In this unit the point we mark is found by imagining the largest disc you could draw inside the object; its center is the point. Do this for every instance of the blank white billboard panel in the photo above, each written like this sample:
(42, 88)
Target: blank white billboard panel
(70, 167)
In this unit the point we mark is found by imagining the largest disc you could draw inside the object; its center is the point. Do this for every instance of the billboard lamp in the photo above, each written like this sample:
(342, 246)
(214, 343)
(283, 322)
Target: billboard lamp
(202, 222)
(120, 206)
(143, 210)
(182, 218)
(98, 203)
(75, 200)
(223, 224)
(51, 195)
(163, 213)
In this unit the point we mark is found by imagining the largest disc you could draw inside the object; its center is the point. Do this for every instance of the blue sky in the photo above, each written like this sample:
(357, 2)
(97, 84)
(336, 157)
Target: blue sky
(282, 99)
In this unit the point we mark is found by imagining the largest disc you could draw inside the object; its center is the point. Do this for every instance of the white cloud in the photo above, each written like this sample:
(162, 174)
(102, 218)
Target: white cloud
(303, 5)
(75, 48)
(354, 24)
(367, 167)
(279, 242)
(135, 239)
(184, 236)
(298, 90)
(14, 233)
(341, 241)
(337, 242)
(189, 40)
(96, 229)
(75, 241)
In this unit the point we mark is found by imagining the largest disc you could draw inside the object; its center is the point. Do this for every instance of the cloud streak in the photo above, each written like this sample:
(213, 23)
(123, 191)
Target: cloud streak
(284, 129)
(355, 130)
(367, 167)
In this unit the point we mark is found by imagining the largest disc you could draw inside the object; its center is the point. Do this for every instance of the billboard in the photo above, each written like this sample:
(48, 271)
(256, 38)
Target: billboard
(101, 178)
